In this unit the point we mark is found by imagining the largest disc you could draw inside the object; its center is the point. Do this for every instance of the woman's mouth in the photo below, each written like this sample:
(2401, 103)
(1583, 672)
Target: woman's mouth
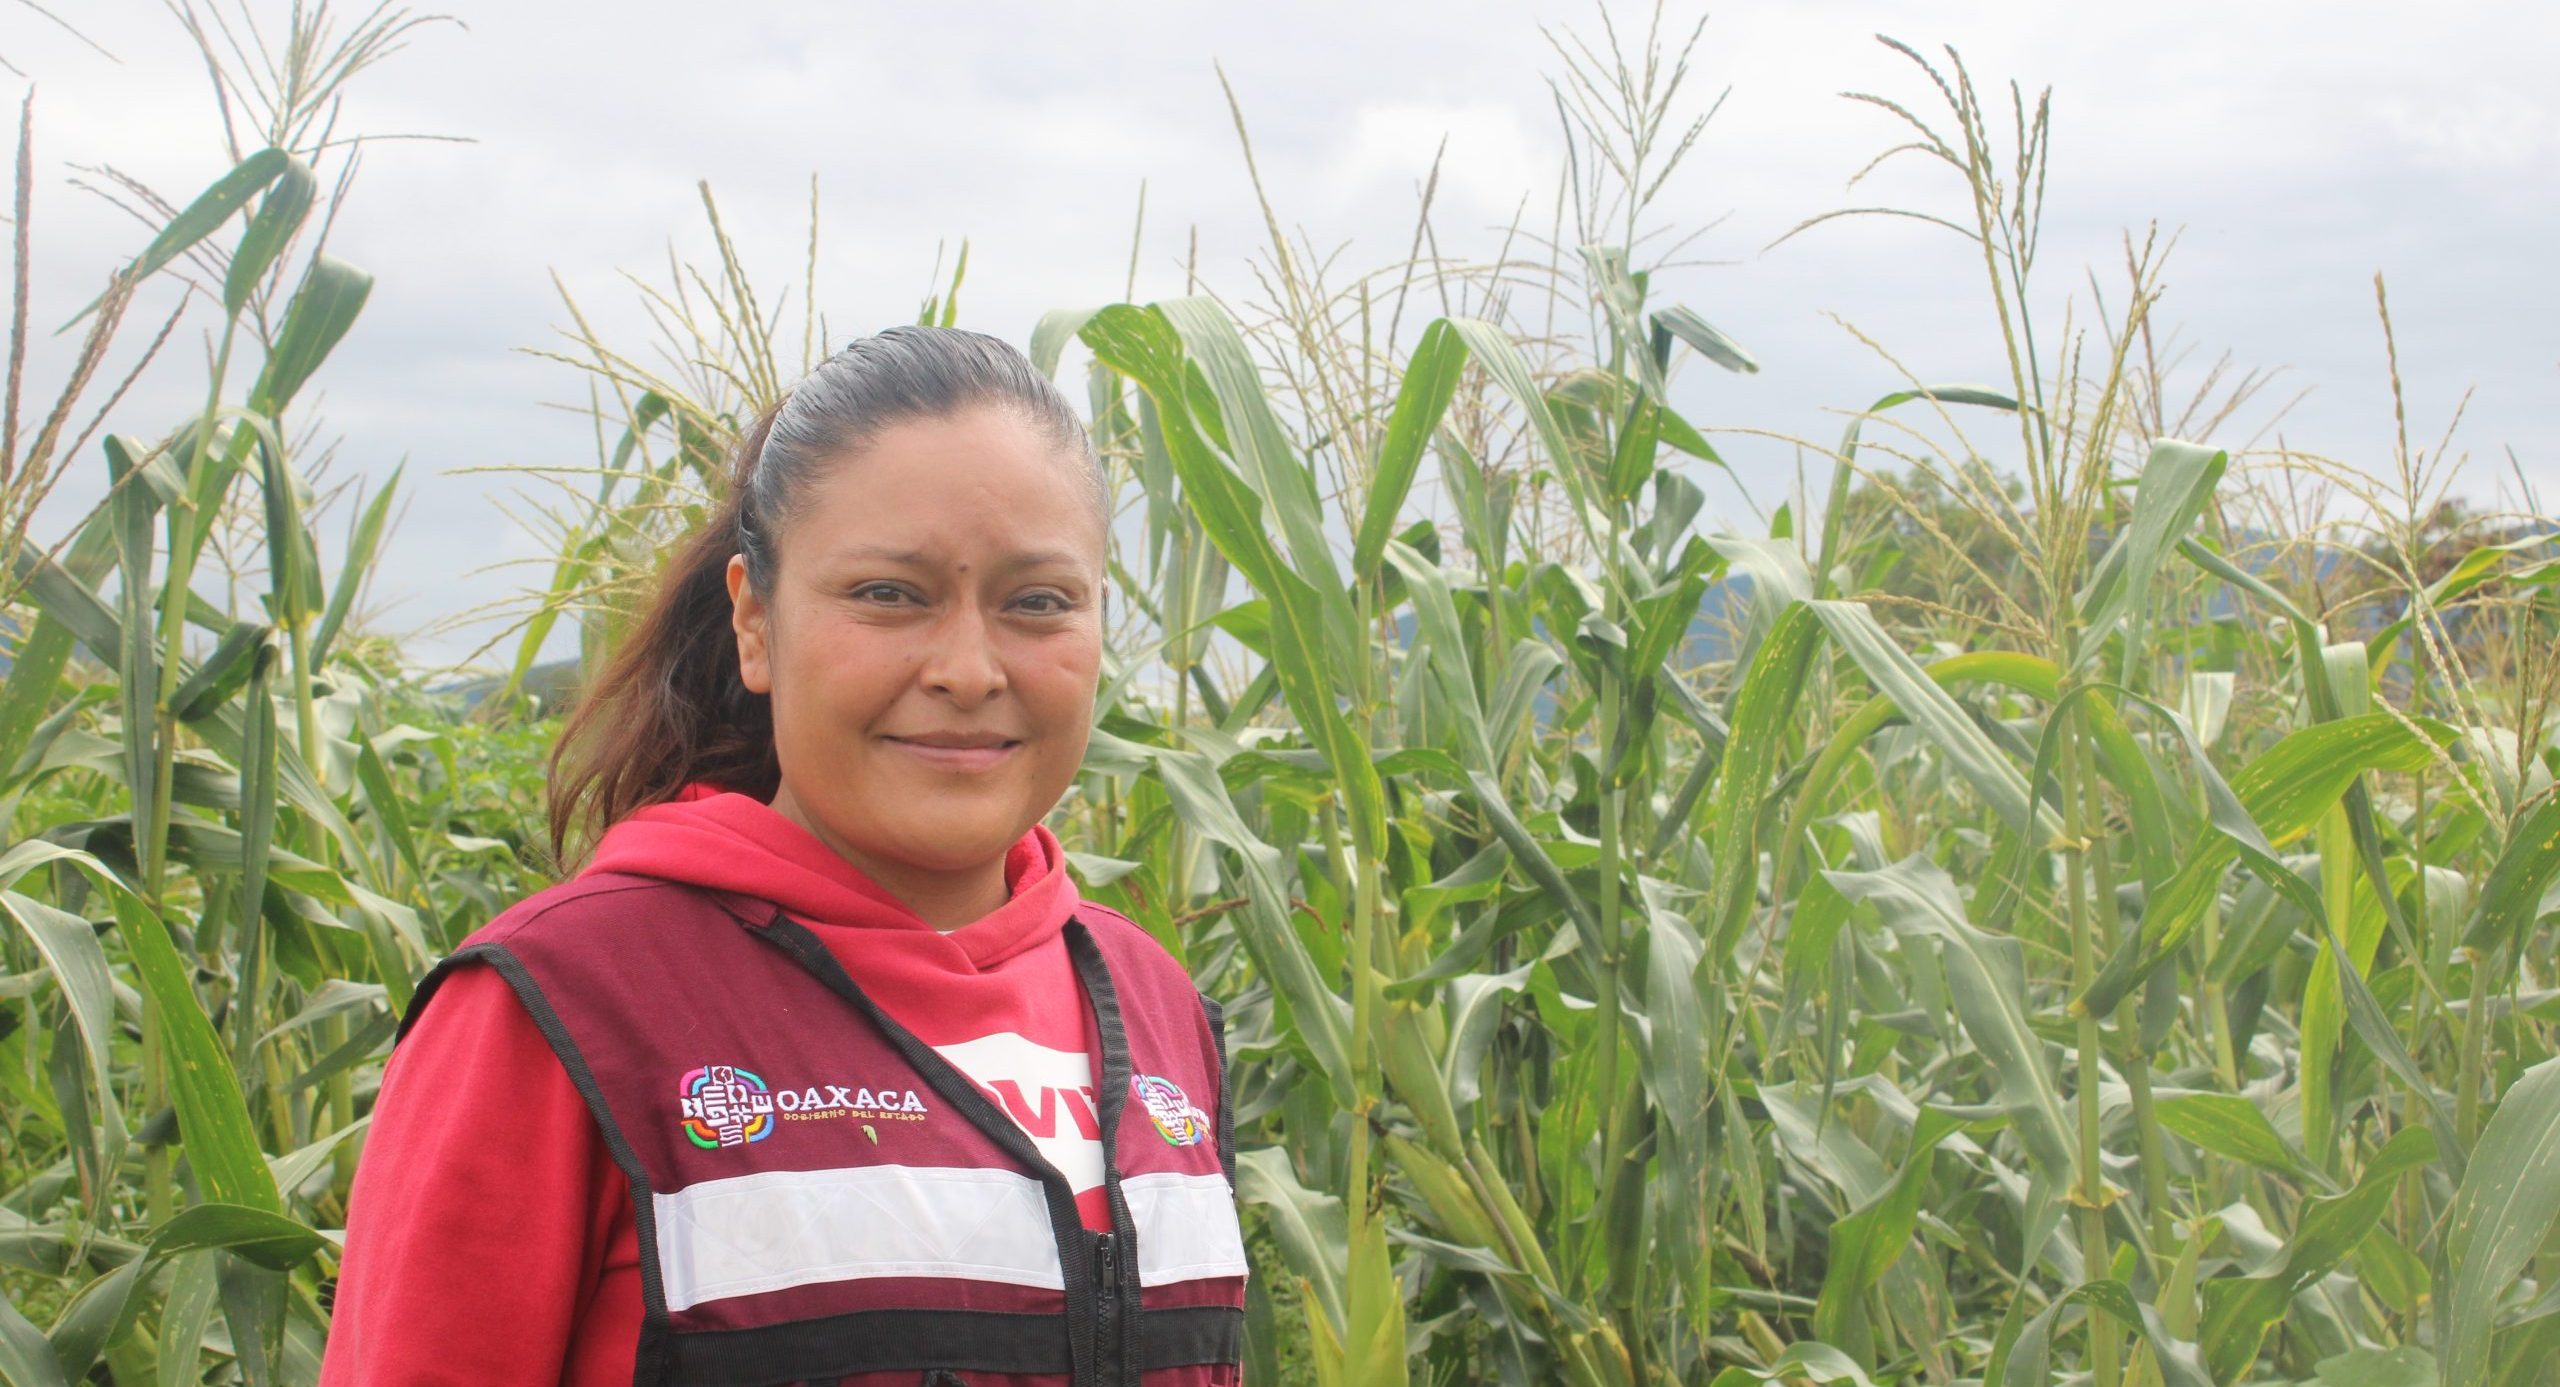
(963, 754)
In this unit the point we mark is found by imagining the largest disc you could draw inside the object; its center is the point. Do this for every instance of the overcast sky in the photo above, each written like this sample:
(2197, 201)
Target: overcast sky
(2297, 147)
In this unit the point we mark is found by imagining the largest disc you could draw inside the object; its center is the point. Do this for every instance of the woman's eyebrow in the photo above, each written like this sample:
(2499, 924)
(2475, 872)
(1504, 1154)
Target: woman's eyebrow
(912, 558)
(918, 558)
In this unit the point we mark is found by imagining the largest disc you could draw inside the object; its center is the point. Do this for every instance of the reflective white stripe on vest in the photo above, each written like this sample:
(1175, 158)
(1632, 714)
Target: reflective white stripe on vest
(771, 1231)
(1186, 1227)
(756, 1233)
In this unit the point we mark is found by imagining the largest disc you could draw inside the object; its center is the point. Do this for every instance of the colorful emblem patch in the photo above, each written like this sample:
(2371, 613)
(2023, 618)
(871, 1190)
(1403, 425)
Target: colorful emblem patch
(1180, 1123)
(724, 1105)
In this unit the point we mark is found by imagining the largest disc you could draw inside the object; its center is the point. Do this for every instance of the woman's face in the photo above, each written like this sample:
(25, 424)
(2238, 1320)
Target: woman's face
(931, 645)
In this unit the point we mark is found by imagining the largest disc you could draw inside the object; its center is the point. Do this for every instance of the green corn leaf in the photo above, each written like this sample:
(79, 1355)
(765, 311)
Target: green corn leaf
(2273, 800)
(185, 1315)
(1430, 381)
(105, 1308)
(1708, 340)
(1525, 672)
(1475, 1013)
(1844, 469)
(222, 1145)
(2501, 1214)
(201, 218)
(26, 1358)
(1663, 616)
(354, 568)
(35, 672)
(1621, 301)
(2375, 1367)
(2510, 901)
(2283, 793)
(2176, 482)
(1322, 1019)
(1762, 719)
(1493, 349)
(2028, 1363)
(1778, 581)
(2475, 570)
(1050, 336)
(1900, 678)
(287, 202)
(1986, 976)
(2238, 1310)
(2227, 1124)
(1806, 1360)
(1865, 1243)
(223, 671)
(1631, 464)
(1255, 439)
(270, 1239)
(1313, 1229)
(1142, 345)
(382, 797)
(332, 293)
(1373, 1339)
(71, 953)
(1444, 648)
(1533, 859)
(294, 1167)
(258, 763)
(1677, 1050)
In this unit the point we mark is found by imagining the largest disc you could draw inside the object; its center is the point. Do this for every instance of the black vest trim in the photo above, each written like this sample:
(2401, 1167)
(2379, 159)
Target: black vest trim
(1122, 1332)
(654, 1331)
(961, 1341)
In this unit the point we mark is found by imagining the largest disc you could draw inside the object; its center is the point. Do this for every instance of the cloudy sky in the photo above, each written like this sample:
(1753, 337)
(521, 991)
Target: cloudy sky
(2297, 148)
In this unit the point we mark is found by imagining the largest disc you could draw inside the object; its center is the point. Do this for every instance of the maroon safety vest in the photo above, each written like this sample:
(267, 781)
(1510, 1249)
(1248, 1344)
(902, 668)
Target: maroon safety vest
(819, 1195)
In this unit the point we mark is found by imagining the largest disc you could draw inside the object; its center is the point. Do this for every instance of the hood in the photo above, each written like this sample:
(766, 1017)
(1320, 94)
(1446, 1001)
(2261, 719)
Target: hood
(725, 841)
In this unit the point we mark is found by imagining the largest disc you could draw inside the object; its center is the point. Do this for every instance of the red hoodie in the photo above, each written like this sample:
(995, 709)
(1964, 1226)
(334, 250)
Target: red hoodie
(490, 1236)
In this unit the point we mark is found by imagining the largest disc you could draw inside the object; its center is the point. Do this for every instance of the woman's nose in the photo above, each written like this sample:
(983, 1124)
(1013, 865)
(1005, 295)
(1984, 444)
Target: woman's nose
(963, 663)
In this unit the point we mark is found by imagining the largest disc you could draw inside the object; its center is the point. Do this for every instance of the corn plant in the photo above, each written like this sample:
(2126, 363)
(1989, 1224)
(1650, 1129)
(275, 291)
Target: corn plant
(1585, 998)
(233, 846)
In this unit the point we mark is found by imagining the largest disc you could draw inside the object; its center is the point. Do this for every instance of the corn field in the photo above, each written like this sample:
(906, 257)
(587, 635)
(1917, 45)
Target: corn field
(2038, 910)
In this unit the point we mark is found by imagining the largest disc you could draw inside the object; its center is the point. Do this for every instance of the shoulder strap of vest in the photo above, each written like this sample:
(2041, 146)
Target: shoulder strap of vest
(1117, 1070)
(653, 1358)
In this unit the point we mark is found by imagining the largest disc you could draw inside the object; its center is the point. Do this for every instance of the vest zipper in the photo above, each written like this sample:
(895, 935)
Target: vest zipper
(1106, 1305)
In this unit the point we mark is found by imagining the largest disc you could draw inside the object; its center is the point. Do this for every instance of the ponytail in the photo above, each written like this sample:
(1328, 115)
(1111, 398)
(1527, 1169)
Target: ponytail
(669, 710)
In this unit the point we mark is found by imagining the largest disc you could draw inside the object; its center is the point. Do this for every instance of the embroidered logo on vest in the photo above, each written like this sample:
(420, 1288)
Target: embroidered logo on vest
(1176, 1119)
(724, 1105)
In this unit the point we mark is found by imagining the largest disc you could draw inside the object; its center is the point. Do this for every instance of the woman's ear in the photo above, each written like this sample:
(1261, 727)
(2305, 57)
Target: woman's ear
(748, 616)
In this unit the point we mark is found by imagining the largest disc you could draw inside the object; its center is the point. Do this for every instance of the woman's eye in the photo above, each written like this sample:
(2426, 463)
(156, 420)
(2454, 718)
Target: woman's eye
(1045, 603)
(883, 594)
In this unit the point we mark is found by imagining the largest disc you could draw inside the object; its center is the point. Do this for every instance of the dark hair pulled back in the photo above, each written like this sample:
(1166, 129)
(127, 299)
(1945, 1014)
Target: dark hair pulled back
(668, 710)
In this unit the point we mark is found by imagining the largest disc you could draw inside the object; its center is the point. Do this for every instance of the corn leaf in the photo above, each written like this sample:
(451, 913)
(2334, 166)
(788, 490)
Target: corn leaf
(2501, 1214)
(1430, 381)
(222, 1144)
(1986, 976)
(2238, 1310)
(201, 218)
(287, 202)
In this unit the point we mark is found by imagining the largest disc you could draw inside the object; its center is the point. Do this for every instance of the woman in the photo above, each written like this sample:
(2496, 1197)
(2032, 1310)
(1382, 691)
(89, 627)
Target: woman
(819, 1070)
